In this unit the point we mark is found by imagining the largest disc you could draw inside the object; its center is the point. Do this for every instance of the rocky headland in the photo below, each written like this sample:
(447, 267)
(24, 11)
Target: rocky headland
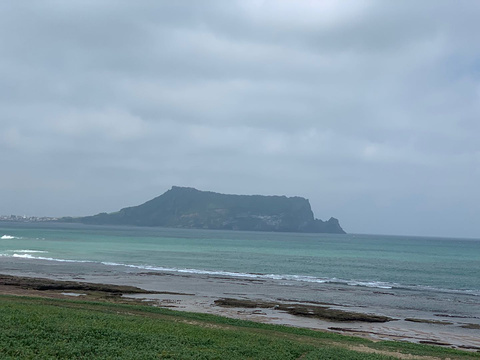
(184, 207)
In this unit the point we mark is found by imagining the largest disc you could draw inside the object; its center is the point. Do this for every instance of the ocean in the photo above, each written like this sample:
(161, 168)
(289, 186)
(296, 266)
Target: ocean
(438, 265)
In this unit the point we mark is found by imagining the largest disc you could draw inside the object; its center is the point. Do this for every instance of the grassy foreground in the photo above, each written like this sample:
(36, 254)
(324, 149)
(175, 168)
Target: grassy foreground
(41, 328)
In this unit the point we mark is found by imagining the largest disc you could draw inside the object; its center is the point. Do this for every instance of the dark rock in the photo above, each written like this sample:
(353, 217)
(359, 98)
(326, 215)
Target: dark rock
(319, 312)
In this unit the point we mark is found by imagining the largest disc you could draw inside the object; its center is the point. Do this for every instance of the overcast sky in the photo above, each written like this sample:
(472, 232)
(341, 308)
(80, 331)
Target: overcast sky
(370, 109)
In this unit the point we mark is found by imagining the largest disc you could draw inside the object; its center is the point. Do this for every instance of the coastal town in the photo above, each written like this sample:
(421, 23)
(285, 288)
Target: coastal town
(20, 218)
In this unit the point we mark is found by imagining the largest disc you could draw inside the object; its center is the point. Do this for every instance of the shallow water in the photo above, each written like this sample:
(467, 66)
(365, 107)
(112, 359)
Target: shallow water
(384, 262)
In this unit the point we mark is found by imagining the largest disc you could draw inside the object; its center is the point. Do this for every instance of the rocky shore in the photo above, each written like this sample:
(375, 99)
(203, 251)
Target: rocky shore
(249, 299)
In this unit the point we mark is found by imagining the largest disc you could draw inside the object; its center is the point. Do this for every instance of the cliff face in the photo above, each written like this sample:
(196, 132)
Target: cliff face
(190, 208)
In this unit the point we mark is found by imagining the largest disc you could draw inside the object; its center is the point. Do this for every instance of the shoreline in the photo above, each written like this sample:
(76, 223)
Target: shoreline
(254, 300)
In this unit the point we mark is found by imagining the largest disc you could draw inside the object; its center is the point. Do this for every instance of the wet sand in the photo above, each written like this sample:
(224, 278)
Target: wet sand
(453, 323)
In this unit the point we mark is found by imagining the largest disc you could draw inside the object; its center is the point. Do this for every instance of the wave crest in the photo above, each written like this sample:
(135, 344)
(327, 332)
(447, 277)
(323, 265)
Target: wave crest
(27, 251)
(26, 254)
(8, 237)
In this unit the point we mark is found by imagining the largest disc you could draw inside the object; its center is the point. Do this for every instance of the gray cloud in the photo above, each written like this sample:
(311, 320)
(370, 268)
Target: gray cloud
(368, 108)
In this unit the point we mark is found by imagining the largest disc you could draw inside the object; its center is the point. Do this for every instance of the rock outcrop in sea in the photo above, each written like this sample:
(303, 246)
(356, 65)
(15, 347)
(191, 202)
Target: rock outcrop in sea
(184, 207)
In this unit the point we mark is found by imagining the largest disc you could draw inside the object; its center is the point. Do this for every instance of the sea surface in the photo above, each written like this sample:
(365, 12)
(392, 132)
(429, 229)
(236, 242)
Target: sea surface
(441, 265)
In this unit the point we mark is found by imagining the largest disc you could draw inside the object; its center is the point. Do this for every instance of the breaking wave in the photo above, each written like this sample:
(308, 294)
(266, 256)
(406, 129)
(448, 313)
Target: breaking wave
(9, 237)
(29, 251)
(27, 254)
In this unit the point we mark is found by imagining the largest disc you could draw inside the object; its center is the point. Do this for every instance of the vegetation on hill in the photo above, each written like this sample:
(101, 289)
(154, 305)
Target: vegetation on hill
(190, 208)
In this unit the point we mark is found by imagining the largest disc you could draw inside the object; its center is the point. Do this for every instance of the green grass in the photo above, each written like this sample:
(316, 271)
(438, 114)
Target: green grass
(38, 328)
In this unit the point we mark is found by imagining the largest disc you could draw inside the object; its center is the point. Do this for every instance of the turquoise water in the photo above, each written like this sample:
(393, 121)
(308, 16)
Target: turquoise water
(427, 264)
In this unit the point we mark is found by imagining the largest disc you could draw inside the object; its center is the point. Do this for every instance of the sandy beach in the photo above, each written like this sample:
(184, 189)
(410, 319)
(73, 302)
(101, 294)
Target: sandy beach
(200, 293)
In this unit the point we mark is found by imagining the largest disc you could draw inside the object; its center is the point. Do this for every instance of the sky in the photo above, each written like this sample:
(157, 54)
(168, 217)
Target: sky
(370, 109)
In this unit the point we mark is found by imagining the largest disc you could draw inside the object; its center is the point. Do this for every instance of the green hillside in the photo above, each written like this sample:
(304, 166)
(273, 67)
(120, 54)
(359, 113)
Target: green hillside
(183, 207)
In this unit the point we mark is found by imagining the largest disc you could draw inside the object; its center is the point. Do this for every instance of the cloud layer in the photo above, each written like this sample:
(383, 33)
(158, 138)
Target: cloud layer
(368, 108)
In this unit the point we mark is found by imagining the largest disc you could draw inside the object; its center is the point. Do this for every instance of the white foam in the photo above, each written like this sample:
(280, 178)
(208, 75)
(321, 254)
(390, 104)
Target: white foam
(26, 254)
(112, 263)
(372, 284)
(8, 237)
(302, 278)
(30, 251)
(450, 291)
